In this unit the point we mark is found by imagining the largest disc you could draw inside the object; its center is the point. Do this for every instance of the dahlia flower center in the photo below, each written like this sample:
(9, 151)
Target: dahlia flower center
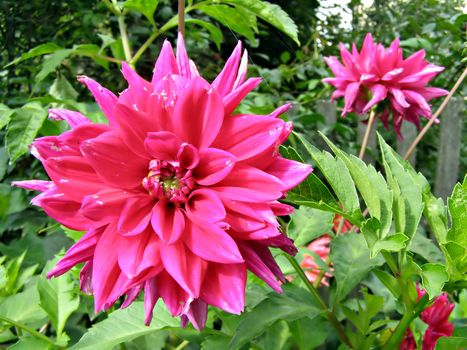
(168, 180)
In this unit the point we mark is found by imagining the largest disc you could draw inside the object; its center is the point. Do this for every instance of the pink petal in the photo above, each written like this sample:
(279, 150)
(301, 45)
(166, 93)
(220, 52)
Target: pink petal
(214, 291)
(198, 114)
(33, 185)
(379, 93)
(281, 209)
(71, 117)
(204, 206)
(418, 99)
(115, 164)
(399, 97)
(185, 267)
(197, 314)
(165, 64)
(183, 62)
(162, 145)
(175, 298)
(151, 296)
(242, 70)
(168, 222)
(104, 98)
(85, 278)
(105, 205)
(429, 93)
(214, 165)
(225, 80)
(131, 296)
(212, 244)
(233, 99)
(290, 172)
(266, 232)
(138, 92)
(135, 215)
(188, 156)
(351, 94)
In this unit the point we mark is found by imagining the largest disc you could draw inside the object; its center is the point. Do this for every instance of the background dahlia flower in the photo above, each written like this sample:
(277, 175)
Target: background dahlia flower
(380, 76)
(319, 246)
(178, 196)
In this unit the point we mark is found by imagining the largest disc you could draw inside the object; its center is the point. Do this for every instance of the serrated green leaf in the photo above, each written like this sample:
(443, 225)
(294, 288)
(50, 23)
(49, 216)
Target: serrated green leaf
(425, 247)
(124, 325)
(393, 243)
(51, 63)
(5, 114)
(215, 33)
(434, 276)
(23, 128)
(371, 185)
(293, 304)
(457, 204)
(407, 194)
(308, 223)
(58, 298)
(241, 22)
(39, 50)
(146, 7)
(270, 13)
(351, 260)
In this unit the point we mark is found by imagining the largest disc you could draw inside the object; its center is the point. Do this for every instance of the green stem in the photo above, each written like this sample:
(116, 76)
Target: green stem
(369, 127)
(396, 338)
(124, 35)
(182, 345)
(31, 331)
(391, 263)
(329, 314)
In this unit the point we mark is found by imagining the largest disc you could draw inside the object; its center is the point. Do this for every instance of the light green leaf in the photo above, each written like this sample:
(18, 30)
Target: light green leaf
(58, 298)
(215, 342)
(371, 185)
(146, 7)
(457, 204)
(275, 337)
(393, 243)
(308, 223)
(293, 304)
(125, 325)
(407, 194)
(337, 175)
(23, 128)
(30, 343)
(389, 281)
(303, 337)
(270, 13)
(51, 63)
(216, 33)
(5, 114)
(61, 89)
(433, 278)
(40, 50)
(23, 307)
(451, 343)
(425, 247)
(351, 258)
(242, 22)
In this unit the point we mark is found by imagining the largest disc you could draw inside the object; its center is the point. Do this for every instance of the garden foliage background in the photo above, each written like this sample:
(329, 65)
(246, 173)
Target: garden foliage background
(82, 37)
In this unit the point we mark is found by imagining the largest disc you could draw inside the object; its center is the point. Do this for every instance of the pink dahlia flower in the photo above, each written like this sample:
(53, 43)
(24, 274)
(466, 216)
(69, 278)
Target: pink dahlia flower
(408, 342)
(379, 76)
(177, 194)
(312, 270)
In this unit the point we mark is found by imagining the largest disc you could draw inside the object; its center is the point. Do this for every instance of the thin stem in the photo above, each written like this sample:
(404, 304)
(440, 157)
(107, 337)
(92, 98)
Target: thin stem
(329, 314)
(367, 133)
(396, 338)
(31, 331)
(182, 345)
(321, 274)
(181, 17)
(108, 58)
(435, 116)
(124, 35)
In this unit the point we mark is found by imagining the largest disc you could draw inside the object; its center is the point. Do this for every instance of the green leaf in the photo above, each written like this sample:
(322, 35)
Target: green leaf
(124, 325)
(457, 204)
(337, 175)
(30, 343)
(434, 277)
(242, 22)
(425, 247)
(275, 337)
(51, 63)
(306, 339)
(146, 7)
(5, 114)
(271, 14)
(407, 194)
(371, 185)
(351, 259)
(451, 343)
(308, 223)
(293, 304)
(23, 128)
(58, 298)
(216, 33)
(61, 89)
(40, 50)
(389, 281)
(393, 243)
(23, 307)
(215, 342)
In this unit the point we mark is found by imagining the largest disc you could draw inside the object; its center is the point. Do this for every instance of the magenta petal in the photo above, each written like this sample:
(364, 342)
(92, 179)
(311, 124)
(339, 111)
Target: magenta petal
(214, 165)
(183, 62)
(188, 156)
(185, 267)
(115, 164)
(34, 185)
(85, 278)
(379, 93)
(165, 64)
(79, 252)
(162, 145)
(71, 117)
(399, 97)
(225, 80)
(233, 99)
(135, 215)
(198, 114)
(168, 222)
(151, 296)
(175, 298)
(203, 205)
(214, 291)
(242, 70)
(198, 313)
(290, 172)
(105, 205)
(212, 244)
(131, 296)
(351, 94)
(104, 98)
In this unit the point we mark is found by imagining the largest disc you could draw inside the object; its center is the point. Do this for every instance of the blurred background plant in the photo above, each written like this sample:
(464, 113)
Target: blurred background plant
(46, 44)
